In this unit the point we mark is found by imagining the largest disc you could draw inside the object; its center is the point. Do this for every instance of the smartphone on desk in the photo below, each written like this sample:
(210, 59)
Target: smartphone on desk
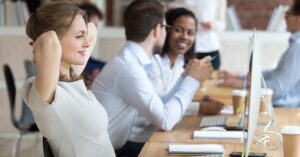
(234, 128)
(251, 154)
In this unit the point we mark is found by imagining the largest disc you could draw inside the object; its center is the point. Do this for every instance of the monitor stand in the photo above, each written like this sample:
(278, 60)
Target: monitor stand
(269, 138)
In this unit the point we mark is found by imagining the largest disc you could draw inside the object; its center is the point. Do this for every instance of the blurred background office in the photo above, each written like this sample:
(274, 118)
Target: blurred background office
(267, 16)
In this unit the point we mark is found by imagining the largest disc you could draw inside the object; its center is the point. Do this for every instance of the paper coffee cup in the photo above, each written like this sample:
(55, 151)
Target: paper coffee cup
(238, 100)
(266, 99)
(291, 141)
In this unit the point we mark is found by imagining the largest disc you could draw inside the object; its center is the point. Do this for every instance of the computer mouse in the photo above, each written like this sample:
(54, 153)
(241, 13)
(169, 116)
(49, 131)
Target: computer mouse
(213, 128)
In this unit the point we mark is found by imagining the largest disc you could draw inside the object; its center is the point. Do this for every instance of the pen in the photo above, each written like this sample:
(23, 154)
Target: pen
(213, 58)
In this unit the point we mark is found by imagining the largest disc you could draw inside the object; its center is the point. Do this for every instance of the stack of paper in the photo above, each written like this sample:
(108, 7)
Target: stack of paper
(196, 149)
(218, 135)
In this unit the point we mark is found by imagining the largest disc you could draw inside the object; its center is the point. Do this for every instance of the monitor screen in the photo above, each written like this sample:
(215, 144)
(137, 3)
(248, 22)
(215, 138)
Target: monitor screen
(253, 87)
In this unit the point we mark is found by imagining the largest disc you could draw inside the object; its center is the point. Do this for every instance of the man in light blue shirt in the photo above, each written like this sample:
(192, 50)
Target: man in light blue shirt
(124, 87)
(284, 80)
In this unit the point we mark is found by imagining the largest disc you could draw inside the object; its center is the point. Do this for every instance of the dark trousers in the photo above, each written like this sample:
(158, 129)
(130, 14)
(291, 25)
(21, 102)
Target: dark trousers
(216, 62)
(130, 149)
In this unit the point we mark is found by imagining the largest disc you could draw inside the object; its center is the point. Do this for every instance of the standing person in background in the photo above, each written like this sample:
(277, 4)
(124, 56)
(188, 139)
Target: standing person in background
(212, 18)
(125, 89)
(94, 66)
(93, 13)
(66, 113)
(168, 66)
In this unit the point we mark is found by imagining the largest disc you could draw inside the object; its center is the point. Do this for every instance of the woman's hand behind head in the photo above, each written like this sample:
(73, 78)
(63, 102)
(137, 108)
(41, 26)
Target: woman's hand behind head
(47, 44)
(47, 53)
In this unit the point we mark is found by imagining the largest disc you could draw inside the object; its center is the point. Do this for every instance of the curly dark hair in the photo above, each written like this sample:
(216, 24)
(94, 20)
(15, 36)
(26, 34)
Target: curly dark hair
(171, 16)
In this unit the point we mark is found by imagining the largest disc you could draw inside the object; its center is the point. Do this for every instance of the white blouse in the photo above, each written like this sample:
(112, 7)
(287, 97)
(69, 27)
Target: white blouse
(163, 76)
(75, 123)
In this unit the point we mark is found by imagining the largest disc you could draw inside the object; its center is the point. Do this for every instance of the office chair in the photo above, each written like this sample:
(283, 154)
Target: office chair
(47, 149)
(26, 116)
(29, 68)
(30, 71)
(22, 127)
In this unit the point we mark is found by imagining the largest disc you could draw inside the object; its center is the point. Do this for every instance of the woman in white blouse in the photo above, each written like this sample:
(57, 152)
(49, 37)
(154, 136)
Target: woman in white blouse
(67, 114)
(178, 49)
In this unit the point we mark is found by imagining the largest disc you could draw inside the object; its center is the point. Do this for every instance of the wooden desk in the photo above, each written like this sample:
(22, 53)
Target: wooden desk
(210, 88)
(182, 132)
(155, 149)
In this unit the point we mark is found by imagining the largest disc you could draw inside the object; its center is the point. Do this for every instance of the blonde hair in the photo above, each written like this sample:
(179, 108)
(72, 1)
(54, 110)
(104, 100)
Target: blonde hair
(56, 16)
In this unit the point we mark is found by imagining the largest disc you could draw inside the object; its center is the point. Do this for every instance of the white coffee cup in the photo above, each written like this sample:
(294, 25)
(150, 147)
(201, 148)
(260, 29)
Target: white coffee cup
(238, 100)
(266, 99)
(291, 141)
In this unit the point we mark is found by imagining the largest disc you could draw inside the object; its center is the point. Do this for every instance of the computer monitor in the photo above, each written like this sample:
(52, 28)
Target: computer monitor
(253, 87)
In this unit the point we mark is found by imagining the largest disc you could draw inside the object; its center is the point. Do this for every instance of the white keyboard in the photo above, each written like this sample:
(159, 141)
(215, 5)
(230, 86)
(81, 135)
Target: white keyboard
(208, 121)
(207, 150)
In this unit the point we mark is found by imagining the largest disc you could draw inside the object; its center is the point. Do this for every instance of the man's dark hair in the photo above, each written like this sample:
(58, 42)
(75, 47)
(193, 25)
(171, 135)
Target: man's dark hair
(91, 10)
(171, 16)
(140, 17)
(296, 7)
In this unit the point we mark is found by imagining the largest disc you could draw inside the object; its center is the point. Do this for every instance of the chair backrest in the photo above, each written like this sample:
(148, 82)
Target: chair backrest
(277, 21)
(11, 89)
(233, 22)
(47, 149)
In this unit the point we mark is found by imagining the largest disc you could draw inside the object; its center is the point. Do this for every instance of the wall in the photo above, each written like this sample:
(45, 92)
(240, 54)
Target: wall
(255, 13)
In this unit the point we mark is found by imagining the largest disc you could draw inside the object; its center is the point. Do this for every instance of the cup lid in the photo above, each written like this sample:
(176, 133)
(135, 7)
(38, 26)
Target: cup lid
(237, 92)
(291, 129)
(266, 91)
